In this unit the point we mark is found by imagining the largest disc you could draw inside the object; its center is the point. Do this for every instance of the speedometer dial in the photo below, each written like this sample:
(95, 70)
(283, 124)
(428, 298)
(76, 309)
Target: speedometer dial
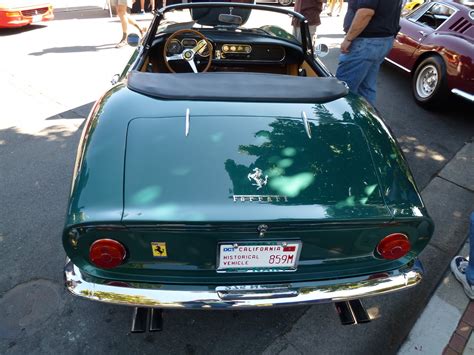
(175, 47)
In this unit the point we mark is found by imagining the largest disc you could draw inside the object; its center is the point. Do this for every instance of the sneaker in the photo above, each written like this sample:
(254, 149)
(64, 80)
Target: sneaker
(142, 12)
(459, 266)
(122, 43)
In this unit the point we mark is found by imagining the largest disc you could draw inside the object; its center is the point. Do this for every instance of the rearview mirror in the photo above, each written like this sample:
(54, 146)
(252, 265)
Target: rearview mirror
(231, 19)
(321, 50)
(115, 79)
(133, 40)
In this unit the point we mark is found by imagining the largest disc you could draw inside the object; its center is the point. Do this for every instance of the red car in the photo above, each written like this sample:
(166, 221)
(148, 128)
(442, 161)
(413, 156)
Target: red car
(18, 13)
(436, 45)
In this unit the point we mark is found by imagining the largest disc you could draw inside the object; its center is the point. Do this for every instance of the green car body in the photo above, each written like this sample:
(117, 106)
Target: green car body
(337, 184)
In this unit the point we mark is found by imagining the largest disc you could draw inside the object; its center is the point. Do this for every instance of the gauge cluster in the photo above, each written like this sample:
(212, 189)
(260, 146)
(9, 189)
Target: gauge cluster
(177, 46)
(256, 52)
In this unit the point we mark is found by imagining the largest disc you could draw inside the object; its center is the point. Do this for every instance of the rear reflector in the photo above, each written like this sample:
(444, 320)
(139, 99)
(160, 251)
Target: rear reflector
(394, 246)
(107, 253)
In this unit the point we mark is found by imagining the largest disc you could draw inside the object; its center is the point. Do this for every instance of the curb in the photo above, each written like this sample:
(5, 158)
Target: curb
(463, 333)
(447, 319)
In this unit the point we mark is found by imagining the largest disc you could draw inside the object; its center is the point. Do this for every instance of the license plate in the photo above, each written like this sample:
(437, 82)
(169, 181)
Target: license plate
(268, 256)
(37, 18)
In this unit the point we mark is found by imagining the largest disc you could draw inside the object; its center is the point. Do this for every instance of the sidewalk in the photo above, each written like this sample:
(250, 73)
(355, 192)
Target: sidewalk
(446, 324)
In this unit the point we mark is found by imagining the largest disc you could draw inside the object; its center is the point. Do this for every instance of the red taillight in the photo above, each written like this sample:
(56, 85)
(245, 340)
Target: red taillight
(107, 253)
(394, 246)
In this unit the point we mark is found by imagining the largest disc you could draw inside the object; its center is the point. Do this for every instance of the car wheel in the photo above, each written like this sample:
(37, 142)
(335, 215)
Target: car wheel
(429, 82)
(285, 2)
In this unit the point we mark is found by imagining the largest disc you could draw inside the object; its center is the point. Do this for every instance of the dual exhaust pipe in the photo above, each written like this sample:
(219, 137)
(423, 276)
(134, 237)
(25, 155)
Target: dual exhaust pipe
(144, 319)
(352, 312)
(151, 319)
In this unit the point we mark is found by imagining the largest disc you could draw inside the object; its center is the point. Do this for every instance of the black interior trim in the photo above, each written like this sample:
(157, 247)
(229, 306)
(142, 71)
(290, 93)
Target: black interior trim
(243, 87)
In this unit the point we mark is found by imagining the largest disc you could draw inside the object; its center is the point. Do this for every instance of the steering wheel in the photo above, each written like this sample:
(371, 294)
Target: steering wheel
(203, 49)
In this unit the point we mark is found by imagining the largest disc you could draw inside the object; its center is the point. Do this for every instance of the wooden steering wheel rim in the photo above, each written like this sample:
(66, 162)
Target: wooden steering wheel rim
(179, 32)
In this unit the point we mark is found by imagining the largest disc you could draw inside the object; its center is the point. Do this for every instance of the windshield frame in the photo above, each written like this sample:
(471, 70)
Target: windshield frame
(158, 17)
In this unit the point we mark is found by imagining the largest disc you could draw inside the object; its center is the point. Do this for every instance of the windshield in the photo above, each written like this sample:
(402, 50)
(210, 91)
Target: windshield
(234, 19)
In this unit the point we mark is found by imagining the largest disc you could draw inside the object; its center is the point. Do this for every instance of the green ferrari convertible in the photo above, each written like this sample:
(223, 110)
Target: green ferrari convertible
(228, 169)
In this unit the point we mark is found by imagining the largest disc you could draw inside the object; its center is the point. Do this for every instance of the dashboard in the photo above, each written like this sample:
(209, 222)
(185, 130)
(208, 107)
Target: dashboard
(230, 51)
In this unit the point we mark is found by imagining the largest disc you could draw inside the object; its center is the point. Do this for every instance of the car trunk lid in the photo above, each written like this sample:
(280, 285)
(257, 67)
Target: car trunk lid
(253, 181)
(247, 168)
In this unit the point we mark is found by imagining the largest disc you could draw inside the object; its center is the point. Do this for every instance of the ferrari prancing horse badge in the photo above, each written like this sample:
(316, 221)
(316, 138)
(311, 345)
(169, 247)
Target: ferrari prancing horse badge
(159, 249)
(257, 177)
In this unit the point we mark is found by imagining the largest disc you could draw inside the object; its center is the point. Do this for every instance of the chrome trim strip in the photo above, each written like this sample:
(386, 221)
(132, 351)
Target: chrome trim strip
(306, 124)
(398, 65)
(463, 94)
(243, 296)
(232, 227)
(186, 130)
(255, 292)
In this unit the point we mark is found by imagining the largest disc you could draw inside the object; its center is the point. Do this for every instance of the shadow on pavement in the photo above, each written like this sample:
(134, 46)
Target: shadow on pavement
(15, 31)
(74, 49)
(80, 13)
(80, 111)
(429, 138)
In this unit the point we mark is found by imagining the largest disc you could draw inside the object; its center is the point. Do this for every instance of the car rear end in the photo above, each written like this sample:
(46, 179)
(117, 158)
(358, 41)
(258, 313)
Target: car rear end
(230, 266)
(242, 211)
(21, 14)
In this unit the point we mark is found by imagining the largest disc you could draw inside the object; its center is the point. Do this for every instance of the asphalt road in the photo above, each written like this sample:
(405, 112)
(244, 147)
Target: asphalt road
(49, 76)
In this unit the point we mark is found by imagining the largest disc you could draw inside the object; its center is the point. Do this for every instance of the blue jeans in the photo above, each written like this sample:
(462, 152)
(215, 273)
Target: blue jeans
(470, 268)
(360, 66)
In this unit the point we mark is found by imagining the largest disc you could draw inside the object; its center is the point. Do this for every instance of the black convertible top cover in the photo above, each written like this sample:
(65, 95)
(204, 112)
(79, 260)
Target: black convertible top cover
(242, 87)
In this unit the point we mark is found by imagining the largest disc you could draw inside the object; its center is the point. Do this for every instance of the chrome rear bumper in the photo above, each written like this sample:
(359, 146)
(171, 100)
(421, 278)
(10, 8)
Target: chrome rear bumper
(242, 296)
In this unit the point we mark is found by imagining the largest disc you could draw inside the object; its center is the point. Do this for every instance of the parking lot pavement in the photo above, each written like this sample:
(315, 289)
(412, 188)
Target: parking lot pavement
(50, 78)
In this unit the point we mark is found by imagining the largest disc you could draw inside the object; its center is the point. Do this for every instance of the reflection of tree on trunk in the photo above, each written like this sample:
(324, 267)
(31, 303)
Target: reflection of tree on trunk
(398, 184)
(333, 167)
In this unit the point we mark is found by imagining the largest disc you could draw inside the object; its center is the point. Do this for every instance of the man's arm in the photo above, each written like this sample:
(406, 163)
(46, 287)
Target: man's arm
(359, 23)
